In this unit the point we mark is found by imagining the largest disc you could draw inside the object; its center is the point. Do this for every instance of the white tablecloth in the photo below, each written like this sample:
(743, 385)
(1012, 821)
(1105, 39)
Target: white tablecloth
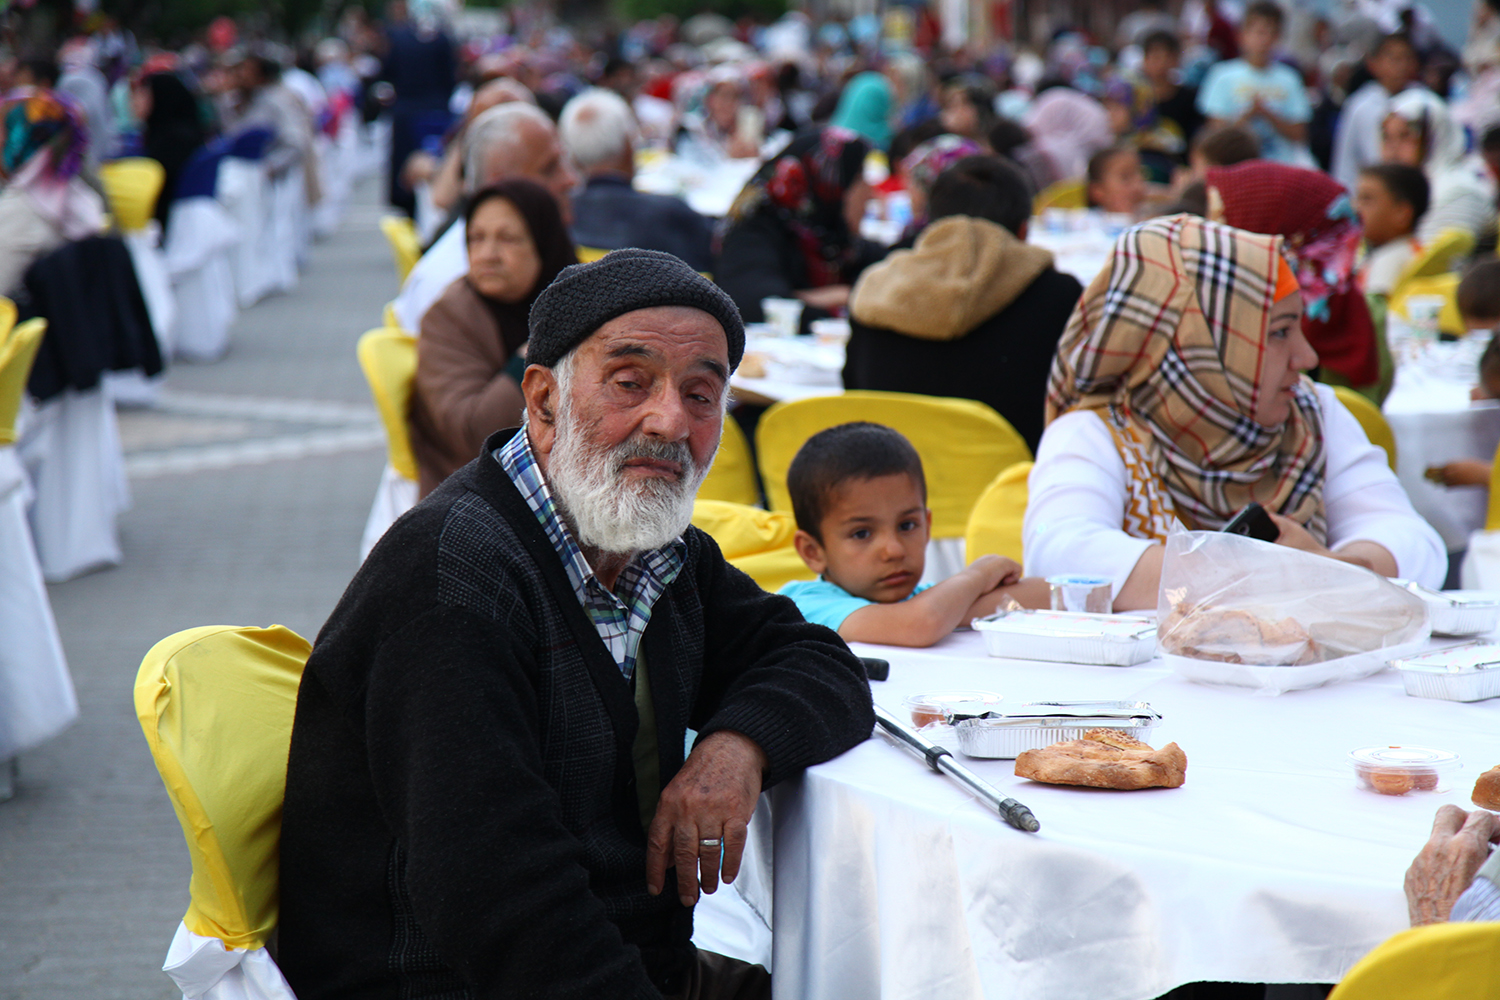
(1434, 421)
(1269, 865)
(709, 189)
(1080, 240)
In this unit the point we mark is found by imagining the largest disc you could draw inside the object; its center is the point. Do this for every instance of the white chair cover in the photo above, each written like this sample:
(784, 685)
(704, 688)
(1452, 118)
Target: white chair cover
(201, 243)
(393, 497)
(203, 968)
(338, 162)
(37, 700)
(133, 388)
(70, 446)
(245, 192)
(282, 240)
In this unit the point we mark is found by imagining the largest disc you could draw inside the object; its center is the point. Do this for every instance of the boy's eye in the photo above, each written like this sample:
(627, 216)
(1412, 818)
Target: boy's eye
(860, 533)
(909, 525)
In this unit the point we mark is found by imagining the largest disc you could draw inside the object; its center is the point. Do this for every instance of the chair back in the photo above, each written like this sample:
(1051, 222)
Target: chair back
(250, 144)
(388, 316)
(732, 476)
(1444, 286)
(405, 247)
(964, 445)
(7, 317)
(200, 174)
(1435, 962)
(216, 705)
(1371, 419)
(995, 523)
(1061, 194)
(133, 185)
(18, 349)
(1438, 257)
(756, 542)
(388, 358)
(1492, 518)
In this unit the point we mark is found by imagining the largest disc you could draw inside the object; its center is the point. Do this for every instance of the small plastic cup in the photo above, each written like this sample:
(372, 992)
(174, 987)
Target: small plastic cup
(1403, 770)
(937, 708)
(1075, 592)
(784, 315)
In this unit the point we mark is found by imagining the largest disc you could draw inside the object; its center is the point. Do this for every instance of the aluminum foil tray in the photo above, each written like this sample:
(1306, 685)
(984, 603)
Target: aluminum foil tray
(1040, 724)
(1069, 637)
(1470, 672)
(1459, 612)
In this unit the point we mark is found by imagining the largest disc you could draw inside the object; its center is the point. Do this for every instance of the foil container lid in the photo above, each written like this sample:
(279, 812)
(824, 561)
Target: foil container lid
(1463, 599)
(1057, 714)
(1470, 657)
(1068, 624)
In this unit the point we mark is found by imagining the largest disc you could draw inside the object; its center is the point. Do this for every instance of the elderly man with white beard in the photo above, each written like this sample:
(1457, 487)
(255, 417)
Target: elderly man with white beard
(486, 793)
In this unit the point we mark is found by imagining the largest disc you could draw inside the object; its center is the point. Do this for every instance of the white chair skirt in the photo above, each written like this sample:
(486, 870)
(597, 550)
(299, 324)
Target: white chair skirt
(205, 970)
(393, 497)
(202, 242)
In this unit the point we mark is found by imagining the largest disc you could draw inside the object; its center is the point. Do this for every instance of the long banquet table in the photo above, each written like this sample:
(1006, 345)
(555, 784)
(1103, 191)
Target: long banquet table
(1269, 865)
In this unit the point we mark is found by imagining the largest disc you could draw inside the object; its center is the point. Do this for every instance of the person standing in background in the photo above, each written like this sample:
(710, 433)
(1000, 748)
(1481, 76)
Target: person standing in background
(1254, 91)
(1356, 142)
(420, 67)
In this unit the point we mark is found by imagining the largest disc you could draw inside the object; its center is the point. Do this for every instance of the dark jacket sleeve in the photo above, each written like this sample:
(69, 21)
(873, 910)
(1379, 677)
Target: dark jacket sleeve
(754, 264)
(792, 687)
(496, 880)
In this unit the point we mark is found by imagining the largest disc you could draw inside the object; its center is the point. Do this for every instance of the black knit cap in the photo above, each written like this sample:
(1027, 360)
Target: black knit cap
(586, 296)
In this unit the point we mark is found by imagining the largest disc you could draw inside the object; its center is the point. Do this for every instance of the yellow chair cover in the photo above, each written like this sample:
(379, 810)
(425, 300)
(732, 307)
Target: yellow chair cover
(1438, 257)
(1370, 418)
(388, 316)
(1450, 320)
(18, 347)
(732, 476)
(1492, 518)
(964, 445)
(133, 185)
(389, 360)
(7, 317)
(401, 232)
(587, 255)
(757, 542)
(216, 705)
(1062, 194)
(1436, 962)
(995, 524)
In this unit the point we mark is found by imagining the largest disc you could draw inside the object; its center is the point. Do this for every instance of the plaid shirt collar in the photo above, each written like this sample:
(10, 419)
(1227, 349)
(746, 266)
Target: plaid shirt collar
(619, 616)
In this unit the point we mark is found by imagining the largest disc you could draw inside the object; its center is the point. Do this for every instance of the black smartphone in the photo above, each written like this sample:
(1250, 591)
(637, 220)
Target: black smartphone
(1254, 522)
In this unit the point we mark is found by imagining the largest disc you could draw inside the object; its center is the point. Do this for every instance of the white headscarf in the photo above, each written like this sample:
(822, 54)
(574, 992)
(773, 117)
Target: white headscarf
(1462, 195)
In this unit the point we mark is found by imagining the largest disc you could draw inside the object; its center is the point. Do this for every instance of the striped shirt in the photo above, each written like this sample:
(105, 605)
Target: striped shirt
(1481, 900)
(620, 616)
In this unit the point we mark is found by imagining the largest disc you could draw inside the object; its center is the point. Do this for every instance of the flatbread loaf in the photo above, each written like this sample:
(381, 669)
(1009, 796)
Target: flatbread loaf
(1105, 758)
(1487, 790)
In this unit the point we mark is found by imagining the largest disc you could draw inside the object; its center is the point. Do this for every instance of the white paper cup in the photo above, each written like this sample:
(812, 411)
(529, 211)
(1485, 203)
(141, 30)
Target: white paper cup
(784, 315)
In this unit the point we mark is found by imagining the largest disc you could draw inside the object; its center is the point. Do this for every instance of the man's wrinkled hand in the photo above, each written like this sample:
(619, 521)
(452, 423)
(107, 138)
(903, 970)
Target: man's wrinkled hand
(1459, 845)
(711, 798)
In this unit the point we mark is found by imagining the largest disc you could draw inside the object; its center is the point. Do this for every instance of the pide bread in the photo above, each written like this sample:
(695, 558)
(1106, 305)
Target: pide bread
(1105, 758)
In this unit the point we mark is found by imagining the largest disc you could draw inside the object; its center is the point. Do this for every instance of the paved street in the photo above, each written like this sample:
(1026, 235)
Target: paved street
(251, 484)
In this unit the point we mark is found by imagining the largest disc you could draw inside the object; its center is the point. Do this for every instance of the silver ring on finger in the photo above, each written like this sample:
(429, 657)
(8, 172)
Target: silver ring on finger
(710, 843)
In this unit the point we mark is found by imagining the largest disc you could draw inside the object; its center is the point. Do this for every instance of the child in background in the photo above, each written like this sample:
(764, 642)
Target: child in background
(1256, 91)
(1391, 199)
(1115, 181)
(860, 499)
(1479, 305)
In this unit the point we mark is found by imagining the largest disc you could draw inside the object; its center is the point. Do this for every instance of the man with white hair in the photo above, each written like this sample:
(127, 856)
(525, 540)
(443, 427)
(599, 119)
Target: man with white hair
(598, 131)
(511, 140)
(486, 791)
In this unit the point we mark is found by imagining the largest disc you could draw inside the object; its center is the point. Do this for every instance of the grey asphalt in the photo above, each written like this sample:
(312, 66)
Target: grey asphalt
(93, 868)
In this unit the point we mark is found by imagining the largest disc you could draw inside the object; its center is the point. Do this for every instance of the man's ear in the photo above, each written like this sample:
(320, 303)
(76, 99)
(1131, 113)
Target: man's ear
(811, 552)
(539, 388)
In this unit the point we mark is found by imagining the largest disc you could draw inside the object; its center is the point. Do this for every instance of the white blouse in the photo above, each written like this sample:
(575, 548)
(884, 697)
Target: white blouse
(1078, 492)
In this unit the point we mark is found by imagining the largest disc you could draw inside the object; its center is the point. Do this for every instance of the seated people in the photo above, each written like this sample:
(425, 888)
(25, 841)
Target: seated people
(1313, 213)
(470, 354)
(794, 230)
(1177, 393)
(972, 310)
(598, 130)
(1419, 131)
(1479, 306)
(862, 525)
(486, 792)
(1390, 199)
(1115, 181)
(1223, 146)
(1393, 65)
(515, 140)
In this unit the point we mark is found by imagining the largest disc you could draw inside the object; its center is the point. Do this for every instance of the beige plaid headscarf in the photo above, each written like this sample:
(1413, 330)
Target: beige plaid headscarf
(1166, 347)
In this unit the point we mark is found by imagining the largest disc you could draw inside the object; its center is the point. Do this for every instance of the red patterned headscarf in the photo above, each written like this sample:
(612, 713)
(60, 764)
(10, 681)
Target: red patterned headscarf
(803, 187)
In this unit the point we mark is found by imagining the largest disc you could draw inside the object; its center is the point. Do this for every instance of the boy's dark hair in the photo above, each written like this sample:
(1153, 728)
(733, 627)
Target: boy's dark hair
(830, 458)
(1489, 362)
(43, 70)
(984, 187)
(1266, 10)
(1227, 145)
(1193, 200)
(1099, 162)
(1007, 135)
(1479, 294)
(1405, 184)
(1399, 38)
(1161, 40)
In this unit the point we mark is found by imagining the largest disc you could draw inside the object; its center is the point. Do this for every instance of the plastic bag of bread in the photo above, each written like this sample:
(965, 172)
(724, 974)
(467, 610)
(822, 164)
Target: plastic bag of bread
(1235, 610)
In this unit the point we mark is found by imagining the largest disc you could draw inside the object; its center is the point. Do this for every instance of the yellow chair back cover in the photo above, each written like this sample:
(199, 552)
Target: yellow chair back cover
(388, 316)
(7, 317)
(757, 542)
(995, 523)
(216, 705)
(389, 360)
(133, 185)
(964, 445)
(1492, 518)
(18, 347)
(732, 476)
(1435, 962)
(1061, 194)
(1438, 257)
(1450, 320)
(401, 232)
(587, 255)
(1371, 419)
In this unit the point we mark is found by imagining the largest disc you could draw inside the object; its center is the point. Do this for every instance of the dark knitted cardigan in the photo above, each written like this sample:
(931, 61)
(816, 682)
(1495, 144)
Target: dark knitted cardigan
(461, 816)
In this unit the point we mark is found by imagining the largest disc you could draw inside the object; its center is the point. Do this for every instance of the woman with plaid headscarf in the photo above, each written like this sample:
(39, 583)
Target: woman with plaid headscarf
(1177, 393)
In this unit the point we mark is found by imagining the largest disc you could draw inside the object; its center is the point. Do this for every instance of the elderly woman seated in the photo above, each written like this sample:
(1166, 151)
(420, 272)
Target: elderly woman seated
(1177, 392)
(470, 353)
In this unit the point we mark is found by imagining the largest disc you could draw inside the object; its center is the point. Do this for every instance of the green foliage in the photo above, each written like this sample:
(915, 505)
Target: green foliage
(638, 10)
